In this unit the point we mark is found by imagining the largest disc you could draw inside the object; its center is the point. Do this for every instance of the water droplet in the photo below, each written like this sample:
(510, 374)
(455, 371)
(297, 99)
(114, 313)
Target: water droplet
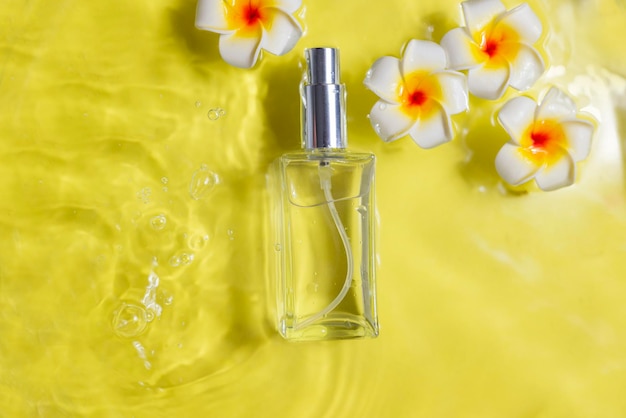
(368, 75)
(231, 234)
(129, 320)
(186, 259)
(196, 242)
(174, 261)
(202, 182)
(277, 247)
(198, 103)
(216, 113)
(382, 106)
(158, 222)
(164, 180)
(377, 128)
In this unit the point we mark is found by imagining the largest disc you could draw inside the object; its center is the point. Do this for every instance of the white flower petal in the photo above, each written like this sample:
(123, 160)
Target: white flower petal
(384, 78)
(578, 133)
(432, 131)
(479, 13)
(488, 83)
(513, 167)
(454, 91)
(526, 69)
(461, 50)
(556, 105)
(211, 15)
(423, 56)
(389, 121)
(241, 50)
(516, 116)
(282, 34)
(525, 22)
(287, 6)
(560, 174)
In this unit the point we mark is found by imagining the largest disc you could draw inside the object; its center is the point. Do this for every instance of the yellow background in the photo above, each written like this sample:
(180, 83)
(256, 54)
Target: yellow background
(493, 302)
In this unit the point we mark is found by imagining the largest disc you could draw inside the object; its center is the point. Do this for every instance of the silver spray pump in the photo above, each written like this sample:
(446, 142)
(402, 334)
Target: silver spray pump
(323, 101)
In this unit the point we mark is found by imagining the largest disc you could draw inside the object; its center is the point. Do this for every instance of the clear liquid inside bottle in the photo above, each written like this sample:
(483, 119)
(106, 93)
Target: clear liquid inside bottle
(325, 269)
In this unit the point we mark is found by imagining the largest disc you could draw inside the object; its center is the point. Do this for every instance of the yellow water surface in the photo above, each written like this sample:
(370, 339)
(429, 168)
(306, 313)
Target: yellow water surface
(133, 233)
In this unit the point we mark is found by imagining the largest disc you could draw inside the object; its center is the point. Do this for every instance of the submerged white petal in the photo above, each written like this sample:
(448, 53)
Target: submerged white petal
(556, 105)
(389, 121)
(432, 131)
(513, 167)
(239, 50)
(211, 15)
(516, 116)
(454, 91)
(578, 133)
(488, 83)
(282, 34)
(525, 22)
(479, 13)
(287, 6)
(384, 78)
(423, 56)
(462, 52)
(526, 69)
(561, 173)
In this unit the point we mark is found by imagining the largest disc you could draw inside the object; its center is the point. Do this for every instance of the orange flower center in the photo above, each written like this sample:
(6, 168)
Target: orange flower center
(544, 141)
(247, 15)
(498, 43)
(419, 94)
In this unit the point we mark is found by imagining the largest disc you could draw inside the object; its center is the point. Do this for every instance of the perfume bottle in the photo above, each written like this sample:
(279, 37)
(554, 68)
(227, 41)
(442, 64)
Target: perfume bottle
(323, 215)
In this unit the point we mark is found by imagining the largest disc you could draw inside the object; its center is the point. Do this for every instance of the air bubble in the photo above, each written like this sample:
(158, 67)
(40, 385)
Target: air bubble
(181, 259)
(202, 182)
(277, 247)
(158, 223)
(129, 320)
(231, 234)
(196, 242)
(164, 180)
(198, 103)
(216, 113)
(174, 261)
(382, 106)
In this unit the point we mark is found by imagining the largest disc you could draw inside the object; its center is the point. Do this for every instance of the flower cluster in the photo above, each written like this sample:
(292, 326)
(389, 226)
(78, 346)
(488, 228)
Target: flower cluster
(496, 48)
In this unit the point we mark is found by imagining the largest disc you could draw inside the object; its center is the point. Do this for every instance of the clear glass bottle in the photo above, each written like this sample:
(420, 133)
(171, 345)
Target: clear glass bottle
(323, 213)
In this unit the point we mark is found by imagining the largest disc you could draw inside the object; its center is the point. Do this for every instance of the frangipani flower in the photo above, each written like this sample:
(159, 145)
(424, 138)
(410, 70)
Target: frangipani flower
(546, 141)
(417, 95)
(247, 26)
(496, 46)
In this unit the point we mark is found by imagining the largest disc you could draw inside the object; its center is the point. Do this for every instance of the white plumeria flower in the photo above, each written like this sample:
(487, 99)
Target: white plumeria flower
(496, 46)
(247, 26)
(546, 140)
(417, 95)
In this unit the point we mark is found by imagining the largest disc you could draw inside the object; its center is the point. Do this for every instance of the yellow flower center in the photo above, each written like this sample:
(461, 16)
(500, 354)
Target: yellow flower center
(247, 15)
(544, 141)
(498, 43)
(419, 94)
